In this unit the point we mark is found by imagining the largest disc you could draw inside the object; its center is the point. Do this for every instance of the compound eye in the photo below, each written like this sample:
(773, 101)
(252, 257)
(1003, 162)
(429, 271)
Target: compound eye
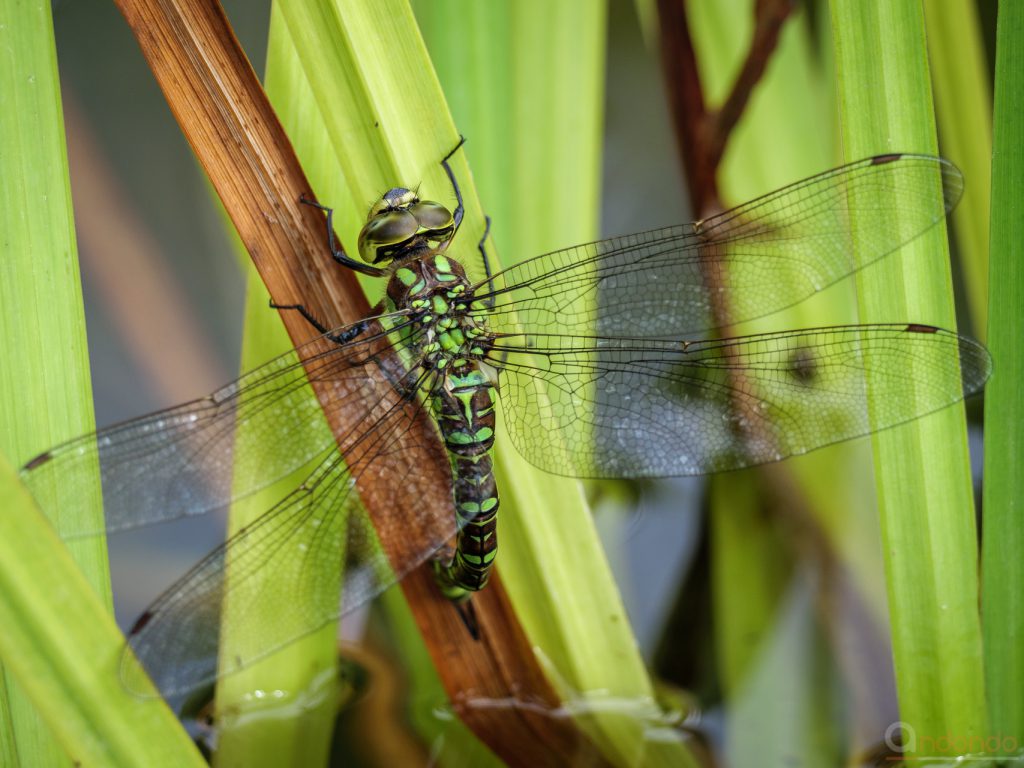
(384, 230)
(430, 215)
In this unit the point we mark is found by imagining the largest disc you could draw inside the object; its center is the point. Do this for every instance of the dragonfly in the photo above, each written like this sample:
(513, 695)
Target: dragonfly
(607, 359)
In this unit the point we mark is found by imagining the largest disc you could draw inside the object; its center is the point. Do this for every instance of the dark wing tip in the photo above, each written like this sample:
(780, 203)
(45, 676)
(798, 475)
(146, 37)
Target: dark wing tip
(952, 178)
(883, 159)
(38, 461)
(140, 623)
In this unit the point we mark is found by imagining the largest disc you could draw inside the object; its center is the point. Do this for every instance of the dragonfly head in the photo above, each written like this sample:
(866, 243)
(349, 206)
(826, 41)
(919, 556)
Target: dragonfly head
(400, 223)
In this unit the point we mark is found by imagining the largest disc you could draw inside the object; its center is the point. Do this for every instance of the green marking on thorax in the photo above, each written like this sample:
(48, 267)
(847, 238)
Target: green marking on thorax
(471, 378)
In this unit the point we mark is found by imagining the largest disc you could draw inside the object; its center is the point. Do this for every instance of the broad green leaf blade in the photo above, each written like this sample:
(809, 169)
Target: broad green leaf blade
(760, 600)
(365, 117)
(62, 645)
(59, 640)
(280, 710)
(330, 121)
(385, 118)
(963, 103)
(527, 94)
(922, 469)
(45, 393)
(299, 679)
(1003, 566)
(527, 91)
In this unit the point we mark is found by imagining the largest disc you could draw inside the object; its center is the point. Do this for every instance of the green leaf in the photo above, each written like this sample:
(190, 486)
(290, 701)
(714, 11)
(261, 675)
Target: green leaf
(362, 118)
(378, 109)
(922, 469)
(778, 669)
(1003, 567)
(963, 105)
(63, 647)
(64, 698)
(280, 710)
(525, 81)
(45, 394)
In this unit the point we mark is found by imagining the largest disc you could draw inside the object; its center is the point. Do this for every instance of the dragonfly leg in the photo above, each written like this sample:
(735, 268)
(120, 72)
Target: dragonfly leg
(338, 253)
(406, 382)
(459, 211)
(482, 247)
(338, 338)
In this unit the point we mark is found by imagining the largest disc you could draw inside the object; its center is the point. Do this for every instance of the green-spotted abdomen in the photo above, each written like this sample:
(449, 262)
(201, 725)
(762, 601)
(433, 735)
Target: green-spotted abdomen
(462, 399)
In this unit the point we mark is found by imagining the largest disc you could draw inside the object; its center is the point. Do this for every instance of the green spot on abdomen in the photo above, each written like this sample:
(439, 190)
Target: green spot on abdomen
(448, 342)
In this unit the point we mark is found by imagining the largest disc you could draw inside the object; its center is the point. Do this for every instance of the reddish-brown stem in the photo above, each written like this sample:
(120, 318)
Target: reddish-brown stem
(703, 133)
(687, 104)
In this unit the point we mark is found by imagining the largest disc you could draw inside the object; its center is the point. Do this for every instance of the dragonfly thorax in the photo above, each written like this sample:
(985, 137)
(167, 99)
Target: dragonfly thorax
(401, 226)
(435, 292)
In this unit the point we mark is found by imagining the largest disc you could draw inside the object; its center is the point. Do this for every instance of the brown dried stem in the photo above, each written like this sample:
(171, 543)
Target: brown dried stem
(703, 133)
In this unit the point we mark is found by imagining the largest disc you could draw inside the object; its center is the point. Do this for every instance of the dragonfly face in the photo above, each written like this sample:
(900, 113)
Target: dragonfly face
(610, 365)
(400, 224)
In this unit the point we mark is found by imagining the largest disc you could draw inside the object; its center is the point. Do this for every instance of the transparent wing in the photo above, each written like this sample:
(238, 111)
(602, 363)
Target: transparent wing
(298, 548)
(266, 426)
(188, 460)
(607, 407)
(765, 255)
